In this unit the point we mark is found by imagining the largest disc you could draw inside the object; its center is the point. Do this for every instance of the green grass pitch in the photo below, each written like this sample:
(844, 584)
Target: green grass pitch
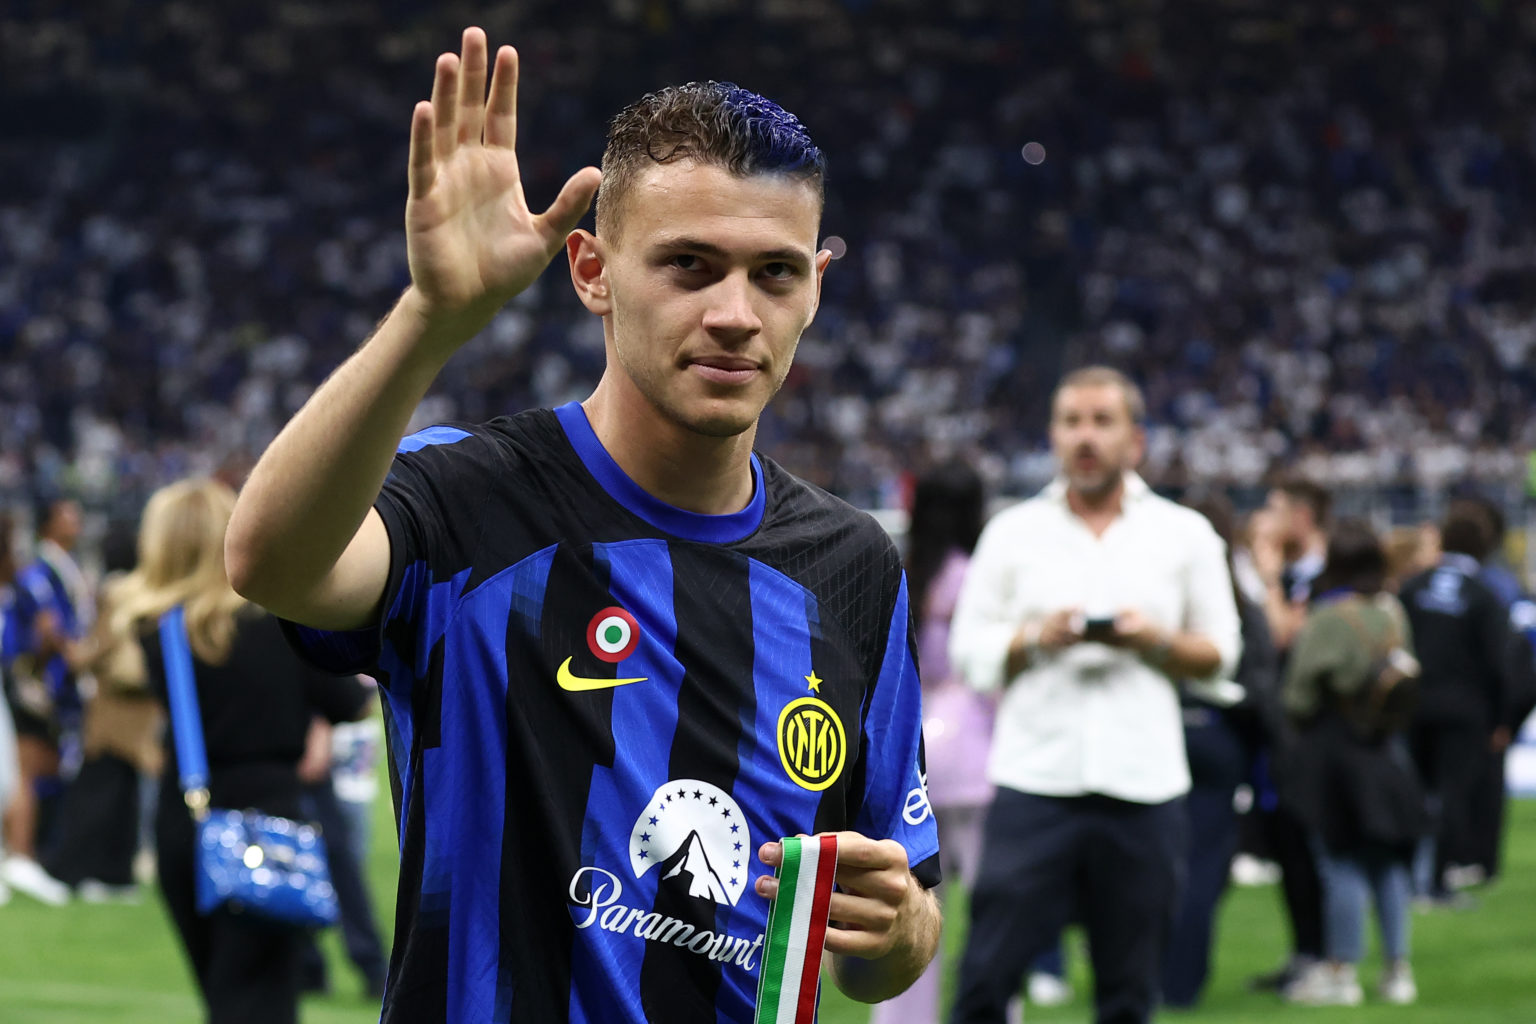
(119, 964)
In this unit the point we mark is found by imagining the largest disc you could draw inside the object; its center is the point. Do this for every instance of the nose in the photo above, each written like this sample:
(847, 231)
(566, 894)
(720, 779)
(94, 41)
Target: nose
(730, 312)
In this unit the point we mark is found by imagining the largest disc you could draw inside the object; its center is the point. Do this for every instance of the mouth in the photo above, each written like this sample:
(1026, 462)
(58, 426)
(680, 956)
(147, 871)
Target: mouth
(730, 370)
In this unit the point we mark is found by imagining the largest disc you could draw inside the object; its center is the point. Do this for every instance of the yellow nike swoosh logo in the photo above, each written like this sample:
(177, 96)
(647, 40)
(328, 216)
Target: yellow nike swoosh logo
(579, 684)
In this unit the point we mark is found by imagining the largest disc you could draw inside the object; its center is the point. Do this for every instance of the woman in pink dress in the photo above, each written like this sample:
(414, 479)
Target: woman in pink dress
(948, 509)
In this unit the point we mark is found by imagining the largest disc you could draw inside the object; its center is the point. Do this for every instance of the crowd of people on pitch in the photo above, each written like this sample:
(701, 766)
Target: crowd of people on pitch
(90, 804)
(1356, 753)
(1389, 788)
(1314, 249)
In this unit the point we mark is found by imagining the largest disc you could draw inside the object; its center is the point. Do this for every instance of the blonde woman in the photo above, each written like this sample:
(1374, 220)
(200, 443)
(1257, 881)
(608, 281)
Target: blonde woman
(257, 700)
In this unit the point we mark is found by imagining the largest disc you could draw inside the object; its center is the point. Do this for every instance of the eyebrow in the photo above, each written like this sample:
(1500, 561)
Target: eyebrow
(788, 254)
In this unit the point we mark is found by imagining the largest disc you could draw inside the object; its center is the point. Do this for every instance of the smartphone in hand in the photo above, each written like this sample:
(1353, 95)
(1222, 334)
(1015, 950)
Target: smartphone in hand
(1099, 628)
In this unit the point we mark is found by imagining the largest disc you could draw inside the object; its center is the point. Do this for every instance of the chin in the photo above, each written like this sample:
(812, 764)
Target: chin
(719, 422)
(1096, 485)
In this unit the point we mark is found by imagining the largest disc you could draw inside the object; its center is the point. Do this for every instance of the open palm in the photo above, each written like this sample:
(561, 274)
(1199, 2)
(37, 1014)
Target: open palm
(470, 237)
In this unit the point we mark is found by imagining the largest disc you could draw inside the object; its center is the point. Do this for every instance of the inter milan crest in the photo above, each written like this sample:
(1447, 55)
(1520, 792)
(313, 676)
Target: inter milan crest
(812, 744)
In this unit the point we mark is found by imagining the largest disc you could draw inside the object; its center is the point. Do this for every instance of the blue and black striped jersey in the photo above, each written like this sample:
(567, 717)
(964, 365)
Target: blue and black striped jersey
(599, 706)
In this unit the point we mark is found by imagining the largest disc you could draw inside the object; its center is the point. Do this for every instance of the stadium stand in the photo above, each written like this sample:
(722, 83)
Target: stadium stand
(1304, 228)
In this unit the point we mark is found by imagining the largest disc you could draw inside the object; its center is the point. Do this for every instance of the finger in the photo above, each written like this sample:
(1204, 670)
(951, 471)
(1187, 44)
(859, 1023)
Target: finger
(855, 913)
(472, 86)
(767, 887)
(570, 205)
(852, 942)
(423, 166)
(772, 854)
(501, 108)
(445, 105)
(886, 885)
(859, 851)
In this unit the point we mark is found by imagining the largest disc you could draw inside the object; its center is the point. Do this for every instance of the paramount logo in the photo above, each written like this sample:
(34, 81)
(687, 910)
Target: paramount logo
(598, 893)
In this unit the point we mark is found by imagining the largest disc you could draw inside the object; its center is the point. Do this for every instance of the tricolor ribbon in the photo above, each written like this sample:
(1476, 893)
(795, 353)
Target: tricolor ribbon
(790, 979)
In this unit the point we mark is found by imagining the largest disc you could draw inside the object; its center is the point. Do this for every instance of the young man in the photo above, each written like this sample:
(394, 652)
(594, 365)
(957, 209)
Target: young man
(1289, 547)
(1085, 606)
(1472, 672)
(618, 650)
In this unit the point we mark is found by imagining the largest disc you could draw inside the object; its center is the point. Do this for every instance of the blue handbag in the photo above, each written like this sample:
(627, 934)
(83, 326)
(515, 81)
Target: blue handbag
(273, 868)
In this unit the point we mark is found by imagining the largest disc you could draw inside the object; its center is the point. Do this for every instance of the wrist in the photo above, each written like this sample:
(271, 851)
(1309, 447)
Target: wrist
(439, 331)
(1026, 642)
(1157, 649)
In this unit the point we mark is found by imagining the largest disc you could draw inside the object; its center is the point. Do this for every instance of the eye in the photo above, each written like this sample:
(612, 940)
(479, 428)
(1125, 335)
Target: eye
(687, 262)
(779, 270)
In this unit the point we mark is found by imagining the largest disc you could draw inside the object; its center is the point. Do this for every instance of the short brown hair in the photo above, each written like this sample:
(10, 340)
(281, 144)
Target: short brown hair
(715, 123)
(1466, 530)
(1315, 496)
(1105, 376)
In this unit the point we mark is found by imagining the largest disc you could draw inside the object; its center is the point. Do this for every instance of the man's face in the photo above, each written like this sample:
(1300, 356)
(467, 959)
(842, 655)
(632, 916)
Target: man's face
(710, 279)
(64, 524)
(1094, 437)
(1291, 517)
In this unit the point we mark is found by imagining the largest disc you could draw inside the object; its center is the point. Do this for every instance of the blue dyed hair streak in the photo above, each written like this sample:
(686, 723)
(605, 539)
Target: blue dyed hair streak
(717, 123)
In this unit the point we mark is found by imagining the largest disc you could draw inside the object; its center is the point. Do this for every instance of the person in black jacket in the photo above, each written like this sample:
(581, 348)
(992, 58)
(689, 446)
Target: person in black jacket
(1464, 641)
(256, 699)
(1487, 812)
(1224, 729)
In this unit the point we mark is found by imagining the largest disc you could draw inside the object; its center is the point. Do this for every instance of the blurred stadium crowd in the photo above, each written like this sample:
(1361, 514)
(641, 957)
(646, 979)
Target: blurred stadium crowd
(1305, 229)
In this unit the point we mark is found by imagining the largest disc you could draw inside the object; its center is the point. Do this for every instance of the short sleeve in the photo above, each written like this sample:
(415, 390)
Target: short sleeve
(1211, 611)
(431, 505)
(895, 804)
(33, 594)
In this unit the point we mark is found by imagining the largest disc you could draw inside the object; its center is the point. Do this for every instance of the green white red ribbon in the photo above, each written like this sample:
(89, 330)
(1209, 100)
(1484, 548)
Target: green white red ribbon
(790, 978)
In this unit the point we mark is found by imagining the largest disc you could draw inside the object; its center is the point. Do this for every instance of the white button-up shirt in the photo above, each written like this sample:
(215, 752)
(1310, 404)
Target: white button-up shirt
(1091, 718)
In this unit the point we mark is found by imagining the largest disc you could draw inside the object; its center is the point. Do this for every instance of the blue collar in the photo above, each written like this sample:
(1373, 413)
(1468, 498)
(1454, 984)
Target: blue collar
(726, 529)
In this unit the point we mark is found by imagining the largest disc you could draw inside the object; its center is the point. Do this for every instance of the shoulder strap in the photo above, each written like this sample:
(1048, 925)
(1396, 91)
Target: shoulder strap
(1349, 610)
(186, 717)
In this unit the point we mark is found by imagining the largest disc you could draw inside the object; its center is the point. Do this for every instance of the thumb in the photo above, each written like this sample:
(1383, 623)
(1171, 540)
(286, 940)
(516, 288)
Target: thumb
(571, 204)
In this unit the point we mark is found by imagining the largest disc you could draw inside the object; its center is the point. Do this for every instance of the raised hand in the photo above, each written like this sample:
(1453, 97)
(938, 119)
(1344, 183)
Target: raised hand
(473, 243)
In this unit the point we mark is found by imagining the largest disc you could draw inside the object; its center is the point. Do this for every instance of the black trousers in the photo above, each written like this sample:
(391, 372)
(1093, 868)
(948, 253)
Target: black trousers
(359, 931)
(1452, 759)
(1290, 843)
(247, 970)
(1212, 845)
(1488, 811)
(97, 830)
(1116, 867)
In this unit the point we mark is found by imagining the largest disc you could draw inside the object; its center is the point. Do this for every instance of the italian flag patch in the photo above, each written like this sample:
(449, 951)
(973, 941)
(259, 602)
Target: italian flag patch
(790, 981)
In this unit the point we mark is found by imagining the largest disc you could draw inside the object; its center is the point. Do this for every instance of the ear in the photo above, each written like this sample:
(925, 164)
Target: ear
(821, 262)
(585, 254)
(1139, 445)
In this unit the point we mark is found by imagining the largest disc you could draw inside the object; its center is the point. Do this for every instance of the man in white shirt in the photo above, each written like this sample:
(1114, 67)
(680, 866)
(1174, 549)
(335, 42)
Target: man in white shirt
(1085, 605)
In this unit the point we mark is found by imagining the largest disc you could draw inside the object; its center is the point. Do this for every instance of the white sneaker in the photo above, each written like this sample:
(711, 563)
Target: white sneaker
(1397, 987)
(93, 890)
(1249, 871)
(27, 876)
(1049, 990)
(1464, 876)
(1326, 984)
